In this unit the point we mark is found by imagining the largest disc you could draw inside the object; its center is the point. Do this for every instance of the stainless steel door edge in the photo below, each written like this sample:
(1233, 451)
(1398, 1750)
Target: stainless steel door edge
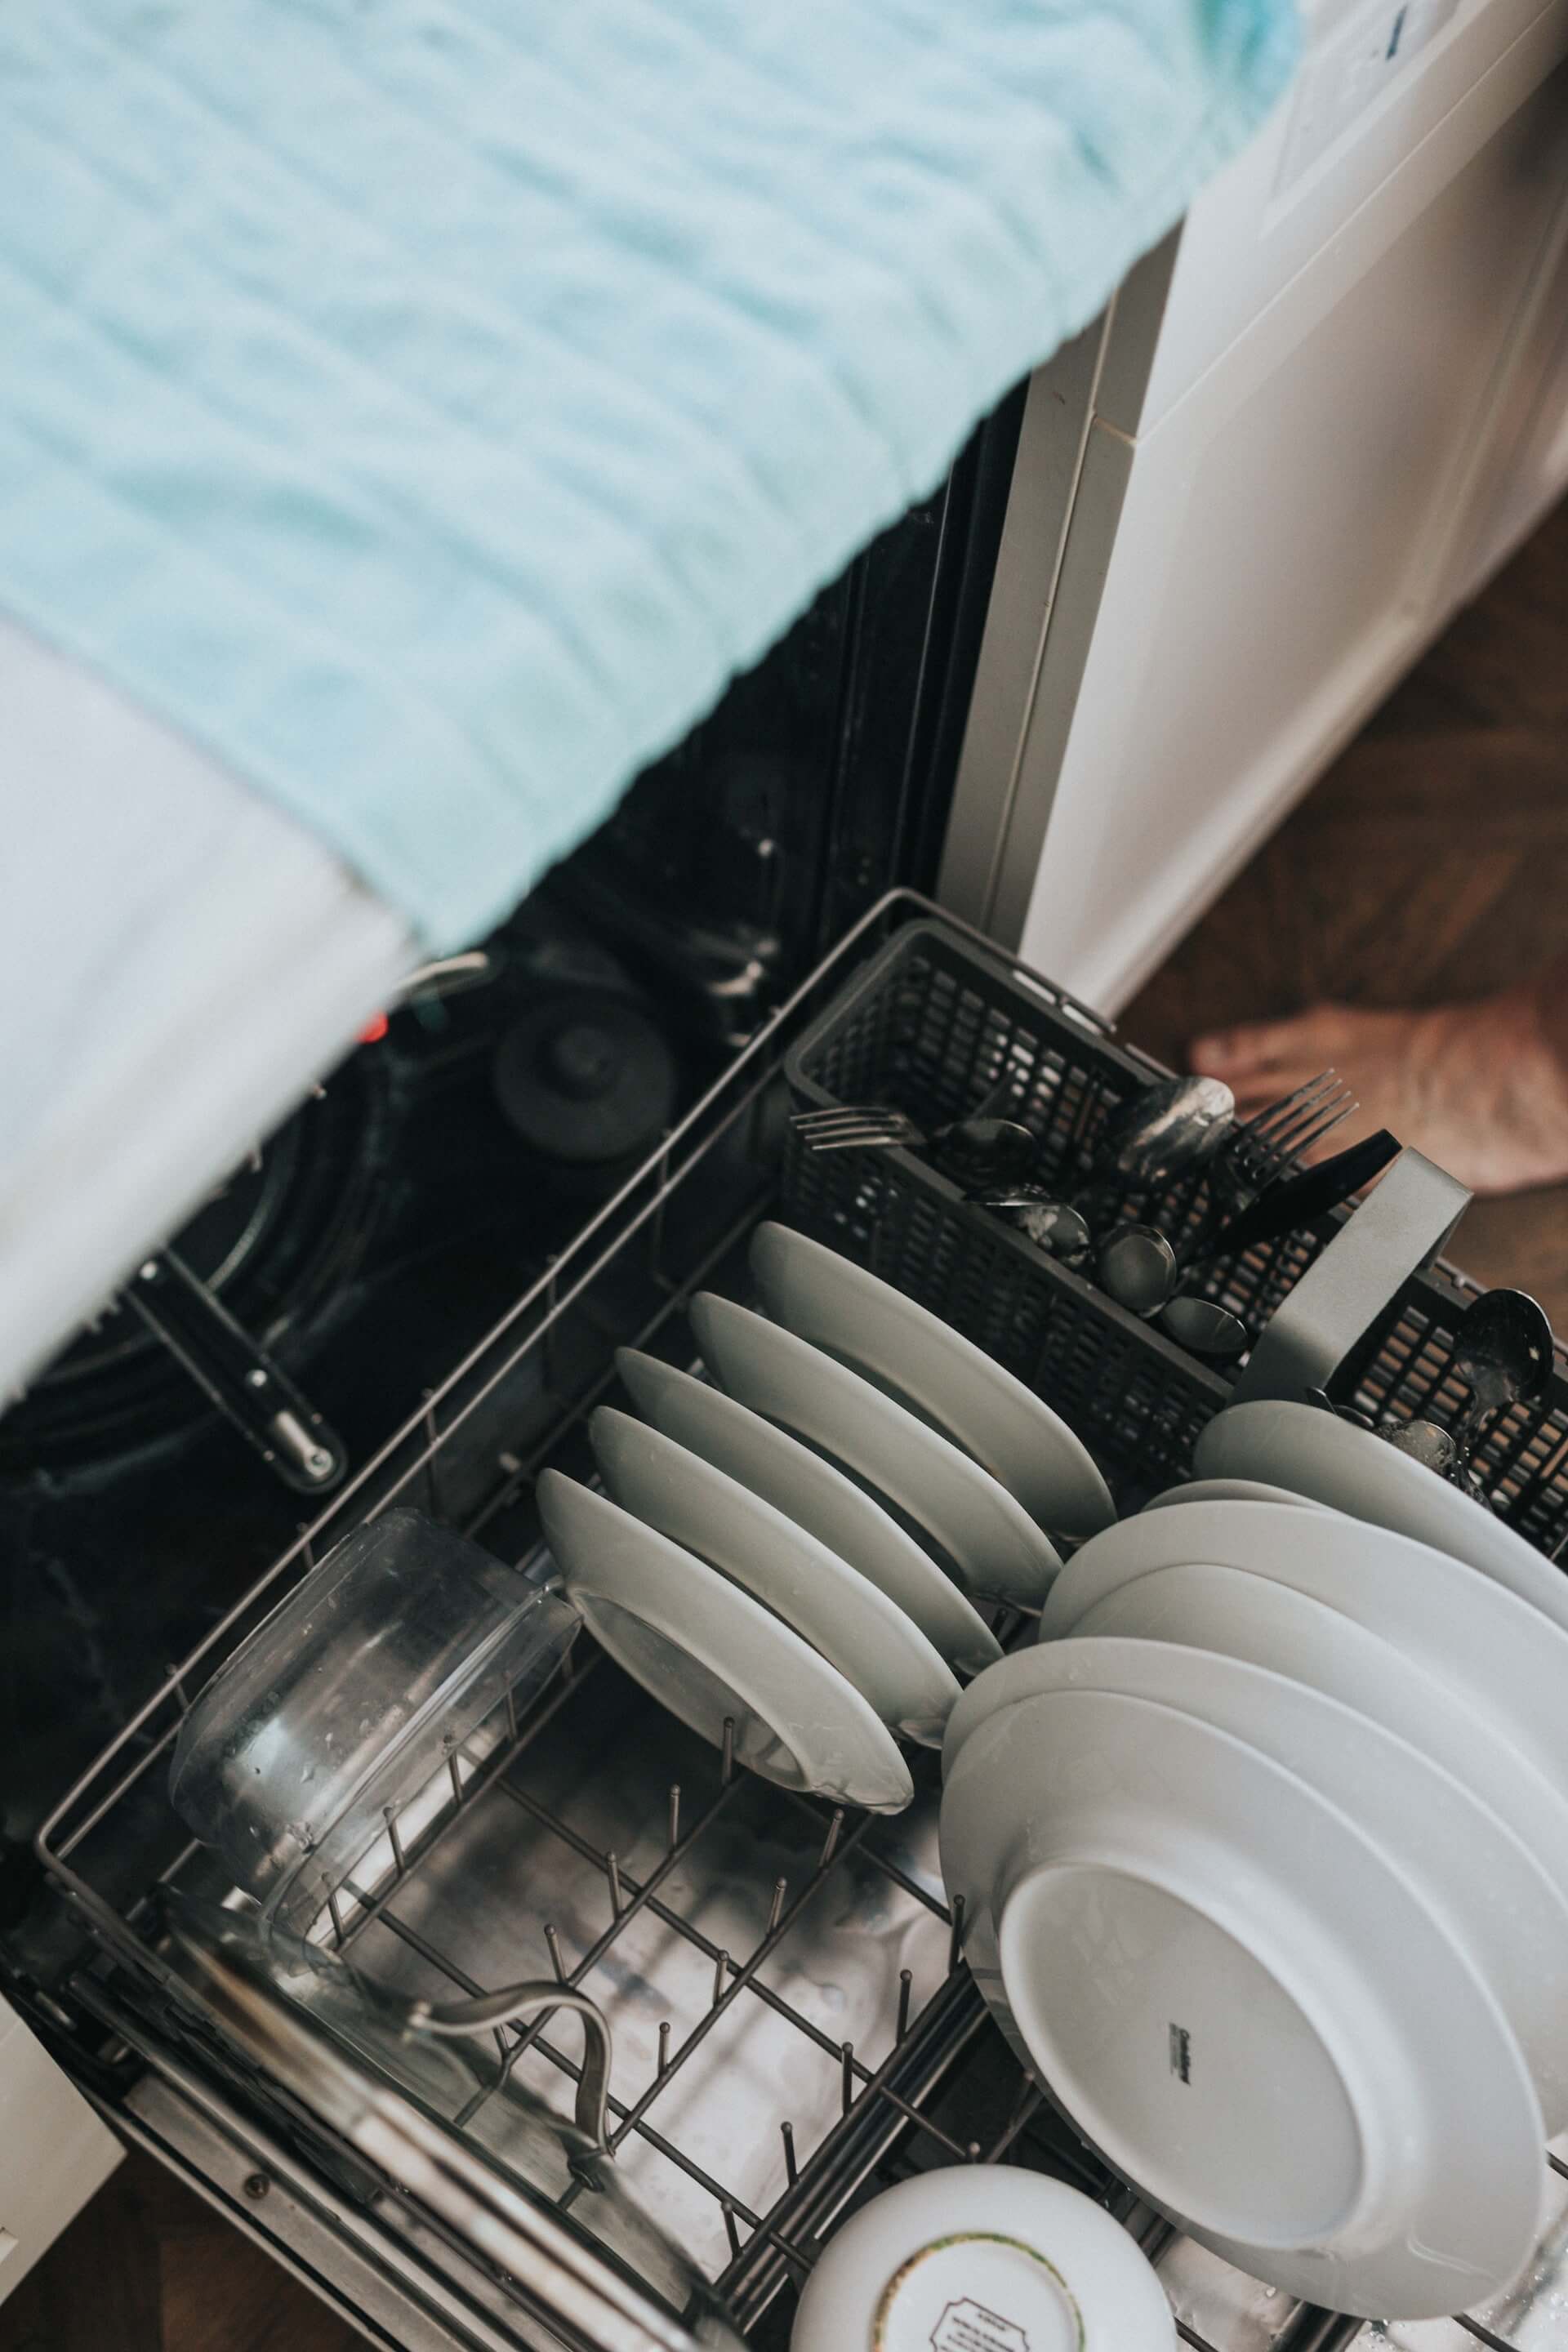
(361, 2266)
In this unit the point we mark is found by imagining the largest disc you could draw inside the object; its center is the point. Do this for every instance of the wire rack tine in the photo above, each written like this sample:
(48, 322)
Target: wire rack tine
(955, 1941)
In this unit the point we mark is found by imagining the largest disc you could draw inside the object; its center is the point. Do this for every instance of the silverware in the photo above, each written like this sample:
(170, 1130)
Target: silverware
(1051, 1224)
(1169, 1128)
(1203, 1327)
(1504, 1353)
(1425, 1442)
(1137, 1267)
(1257, 1156)
(1298, 1200)
(979, 1148)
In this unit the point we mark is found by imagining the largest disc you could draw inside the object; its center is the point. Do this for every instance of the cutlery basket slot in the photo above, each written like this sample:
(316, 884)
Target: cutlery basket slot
(929, 1026)
(1408, 1374)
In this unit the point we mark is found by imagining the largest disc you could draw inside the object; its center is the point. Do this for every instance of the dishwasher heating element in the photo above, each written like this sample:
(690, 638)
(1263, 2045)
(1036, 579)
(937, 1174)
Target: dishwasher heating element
(792, 2019)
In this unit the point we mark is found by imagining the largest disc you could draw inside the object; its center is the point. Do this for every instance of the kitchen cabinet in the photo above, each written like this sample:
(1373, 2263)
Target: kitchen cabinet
(1522, 467)
(1305, 430)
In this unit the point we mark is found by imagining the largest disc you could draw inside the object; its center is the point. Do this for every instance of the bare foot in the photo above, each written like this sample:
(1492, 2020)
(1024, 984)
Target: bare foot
(1478, 1087)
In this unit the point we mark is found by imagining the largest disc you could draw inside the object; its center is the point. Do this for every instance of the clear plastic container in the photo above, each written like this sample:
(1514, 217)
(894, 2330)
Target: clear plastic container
(382, 1678)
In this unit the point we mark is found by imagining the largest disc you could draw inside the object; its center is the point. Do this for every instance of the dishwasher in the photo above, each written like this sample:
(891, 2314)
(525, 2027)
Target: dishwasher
(540, 1157)
(793, 2021)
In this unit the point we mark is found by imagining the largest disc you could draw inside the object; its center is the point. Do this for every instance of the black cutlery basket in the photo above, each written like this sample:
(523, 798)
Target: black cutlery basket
(930, 1025)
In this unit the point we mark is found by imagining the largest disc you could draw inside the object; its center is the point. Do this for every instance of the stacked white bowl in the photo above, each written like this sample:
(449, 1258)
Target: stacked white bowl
(1263, 1850)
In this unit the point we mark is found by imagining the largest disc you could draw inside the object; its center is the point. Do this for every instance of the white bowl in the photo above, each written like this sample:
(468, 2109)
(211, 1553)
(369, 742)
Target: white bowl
(1495, 1898)
(983, 2255)
(1328, 1460)
(1243, 2005)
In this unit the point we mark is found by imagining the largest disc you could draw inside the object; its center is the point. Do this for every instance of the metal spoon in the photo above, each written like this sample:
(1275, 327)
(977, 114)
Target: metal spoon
(1425, 1442)
(1137, 1267)
(1169, 1128)
(980, 1151)
(1504, 1352)
(1203, 1327)
(1051, 1224)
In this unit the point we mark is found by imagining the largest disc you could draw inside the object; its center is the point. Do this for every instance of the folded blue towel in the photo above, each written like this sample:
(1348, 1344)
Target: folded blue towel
(428, 404)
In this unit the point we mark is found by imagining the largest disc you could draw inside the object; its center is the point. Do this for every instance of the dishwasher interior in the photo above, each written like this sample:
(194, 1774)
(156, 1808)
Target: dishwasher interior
(794, 2023)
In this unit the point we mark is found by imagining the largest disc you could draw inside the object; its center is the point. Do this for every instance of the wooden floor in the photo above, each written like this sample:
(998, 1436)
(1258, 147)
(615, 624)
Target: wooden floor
(1431, 861)
(149, 2267)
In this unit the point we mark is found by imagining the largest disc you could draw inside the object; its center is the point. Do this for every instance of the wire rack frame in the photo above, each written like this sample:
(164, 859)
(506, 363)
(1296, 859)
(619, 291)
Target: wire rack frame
(882, 2098)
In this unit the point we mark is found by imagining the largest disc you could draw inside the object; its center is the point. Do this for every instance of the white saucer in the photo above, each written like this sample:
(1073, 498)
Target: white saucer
(915, 1356)
(1477, 1876)
(817, 1497)
(995, 1546)
(857, 1628)
(1230, 1490)
(1463, 1628)
(708, 1651)
(1244, 2006)
(1238, 1615)
(982, 2258)
(1334, 1461)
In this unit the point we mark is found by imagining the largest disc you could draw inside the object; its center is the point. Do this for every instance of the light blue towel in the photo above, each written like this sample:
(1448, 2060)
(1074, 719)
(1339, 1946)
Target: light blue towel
(428, 404)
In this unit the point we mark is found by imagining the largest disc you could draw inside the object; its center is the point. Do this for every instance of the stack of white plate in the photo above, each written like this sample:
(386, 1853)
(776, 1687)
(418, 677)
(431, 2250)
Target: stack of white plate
(1265, 1864)
(751, 1560)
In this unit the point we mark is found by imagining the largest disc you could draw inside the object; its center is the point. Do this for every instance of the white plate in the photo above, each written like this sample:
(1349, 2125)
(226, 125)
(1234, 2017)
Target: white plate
(817, 1497)
(1463, 1628)
(708, 1651)
(915, 1356)
(858, 1628)
(1231, 1490)
(1332, 1461)
(1245, 2006)
(995, 1546)
(1238, 1615)
(982, 2258)
(1480, 1878)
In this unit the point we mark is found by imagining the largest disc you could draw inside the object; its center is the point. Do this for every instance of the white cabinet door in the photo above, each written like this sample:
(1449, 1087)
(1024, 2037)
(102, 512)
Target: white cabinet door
(54, 2152)
(1524, 467)
(1274, 562)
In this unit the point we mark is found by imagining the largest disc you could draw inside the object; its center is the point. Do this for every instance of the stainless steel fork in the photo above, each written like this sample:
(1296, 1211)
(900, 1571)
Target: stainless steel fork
(1255, 1155)
(1261, 1152)
(866, 1126)
(878, 1127)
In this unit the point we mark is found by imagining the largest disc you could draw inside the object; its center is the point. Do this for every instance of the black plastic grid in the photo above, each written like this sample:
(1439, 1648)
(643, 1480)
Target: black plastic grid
(929, 1026)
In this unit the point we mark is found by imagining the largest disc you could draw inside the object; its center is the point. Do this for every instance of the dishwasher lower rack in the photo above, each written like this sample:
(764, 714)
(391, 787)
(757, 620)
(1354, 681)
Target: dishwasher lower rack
(794, 2023)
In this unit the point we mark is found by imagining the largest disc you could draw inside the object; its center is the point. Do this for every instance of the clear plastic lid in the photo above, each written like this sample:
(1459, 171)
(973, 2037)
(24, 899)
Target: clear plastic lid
(383, 1675)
